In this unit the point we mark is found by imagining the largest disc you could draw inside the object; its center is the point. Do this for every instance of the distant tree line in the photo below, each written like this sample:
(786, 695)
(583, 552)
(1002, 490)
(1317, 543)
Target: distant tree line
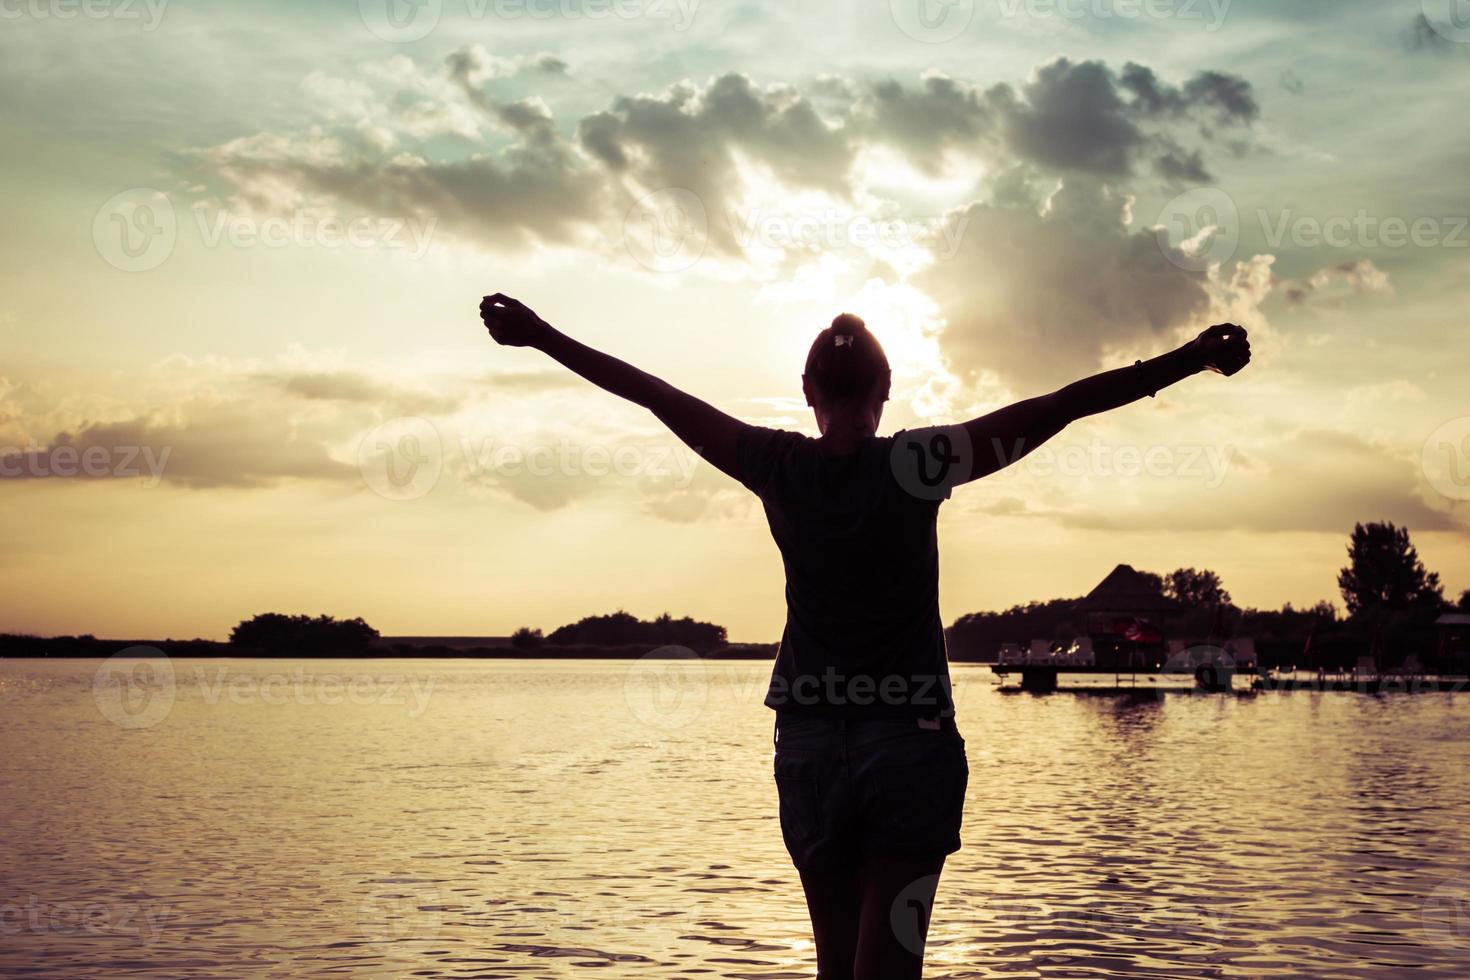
(1391, 599)
(623, 629)
(1391, 603)
(322, 636)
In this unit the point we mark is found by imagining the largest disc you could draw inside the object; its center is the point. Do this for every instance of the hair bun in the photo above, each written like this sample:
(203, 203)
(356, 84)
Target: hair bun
(848, 323)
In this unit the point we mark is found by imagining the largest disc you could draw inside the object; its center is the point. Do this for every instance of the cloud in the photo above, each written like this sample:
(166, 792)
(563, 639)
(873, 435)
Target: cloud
(348, 386)
(217, 424)
(1069, 117)
(231, 426)
(1039, 291)
(1081, 116)
(533, 187)
(1358, 277)
(1314, 480)
(927, 121)
(213, 446)
(551, 469)
(518, 177)
(691, 138)
(531, 381)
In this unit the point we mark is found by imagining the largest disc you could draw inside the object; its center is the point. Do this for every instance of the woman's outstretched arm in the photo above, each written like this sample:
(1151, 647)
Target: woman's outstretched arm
(705, 429)
(1000, 438)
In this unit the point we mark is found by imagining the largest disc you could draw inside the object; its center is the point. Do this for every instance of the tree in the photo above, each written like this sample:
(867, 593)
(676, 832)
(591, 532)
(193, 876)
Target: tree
(1194, 588)
(622, 628)
(526, 638)
(1384, 570)
(1464, 603)
(303, 635)
(980, 634)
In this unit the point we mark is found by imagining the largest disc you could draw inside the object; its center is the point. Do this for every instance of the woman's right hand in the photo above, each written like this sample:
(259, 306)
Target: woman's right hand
(512, 323)
(1222, 348)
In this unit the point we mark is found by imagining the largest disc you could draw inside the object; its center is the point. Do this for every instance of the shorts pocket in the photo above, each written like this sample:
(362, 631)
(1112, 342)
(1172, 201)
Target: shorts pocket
(800, 799)
(918, 809)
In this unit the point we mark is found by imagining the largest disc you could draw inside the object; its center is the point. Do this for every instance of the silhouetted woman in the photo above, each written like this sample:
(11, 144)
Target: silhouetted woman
(869, 765)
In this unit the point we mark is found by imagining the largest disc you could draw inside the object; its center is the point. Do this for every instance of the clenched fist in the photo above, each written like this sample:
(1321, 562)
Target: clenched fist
(1222, 348)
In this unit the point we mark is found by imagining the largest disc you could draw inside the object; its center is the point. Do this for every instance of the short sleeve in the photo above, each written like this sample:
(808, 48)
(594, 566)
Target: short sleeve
(757, 454)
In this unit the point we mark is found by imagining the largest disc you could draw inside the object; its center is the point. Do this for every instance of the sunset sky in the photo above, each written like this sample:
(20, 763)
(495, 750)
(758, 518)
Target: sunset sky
(243, 370)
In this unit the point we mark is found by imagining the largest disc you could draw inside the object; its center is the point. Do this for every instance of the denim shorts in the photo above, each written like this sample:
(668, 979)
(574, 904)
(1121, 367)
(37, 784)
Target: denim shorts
(850, 788)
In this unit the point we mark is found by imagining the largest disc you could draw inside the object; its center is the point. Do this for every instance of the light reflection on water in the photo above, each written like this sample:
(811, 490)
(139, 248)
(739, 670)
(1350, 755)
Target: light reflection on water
(529, 819)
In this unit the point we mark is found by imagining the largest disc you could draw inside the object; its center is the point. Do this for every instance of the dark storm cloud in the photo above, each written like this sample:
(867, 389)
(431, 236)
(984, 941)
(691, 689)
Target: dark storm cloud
(1081, 116)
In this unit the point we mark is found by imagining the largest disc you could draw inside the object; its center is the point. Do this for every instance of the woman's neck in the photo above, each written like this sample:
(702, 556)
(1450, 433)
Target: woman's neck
(843, 436)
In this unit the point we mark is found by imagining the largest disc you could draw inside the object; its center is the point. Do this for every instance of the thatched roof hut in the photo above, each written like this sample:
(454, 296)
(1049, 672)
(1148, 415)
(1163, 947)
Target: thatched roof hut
(1125, 590)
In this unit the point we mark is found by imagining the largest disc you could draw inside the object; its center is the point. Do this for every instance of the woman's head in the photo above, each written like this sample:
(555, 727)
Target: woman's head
(847, 377)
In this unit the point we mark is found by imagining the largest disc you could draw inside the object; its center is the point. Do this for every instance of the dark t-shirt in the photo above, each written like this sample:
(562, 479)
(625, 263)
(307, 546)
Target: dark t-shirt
(863, 636)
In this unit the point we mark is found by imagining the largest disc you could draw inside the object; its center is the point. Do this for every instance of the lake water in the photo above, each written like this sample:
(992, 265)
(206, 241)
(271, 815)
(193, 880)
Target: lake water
(532, 819)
